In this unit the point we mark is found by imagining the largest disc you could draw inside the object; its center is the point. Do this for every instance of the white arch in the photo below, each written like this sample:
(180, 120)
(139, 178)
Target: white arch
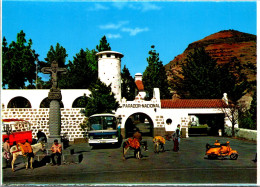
(36, 96)
(129, 113)
(20, 97)
(69, 96)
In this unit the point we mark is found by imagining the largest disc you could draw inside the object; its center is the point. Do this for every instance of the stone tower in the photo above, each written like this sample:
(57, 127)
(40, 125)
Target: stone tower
(109, 70)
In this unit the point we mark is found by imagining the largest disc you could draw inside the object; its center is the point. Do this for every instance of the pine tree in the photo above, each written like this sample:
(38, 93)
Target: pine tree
(82, 71)
(202, 78)
(101, 100)
(58, 54)
(103, 45)
(128, 85)
(18, 62)
(155, 76)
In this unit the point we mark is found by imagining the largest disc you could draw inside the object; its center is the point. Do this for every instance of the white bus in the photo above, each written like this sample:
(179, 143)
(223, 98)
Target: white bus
(103, 129)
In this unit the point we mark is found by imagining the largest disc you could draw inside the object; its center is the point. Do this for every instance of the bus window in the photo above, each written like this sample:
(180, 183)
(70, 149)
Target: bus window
(96, 127)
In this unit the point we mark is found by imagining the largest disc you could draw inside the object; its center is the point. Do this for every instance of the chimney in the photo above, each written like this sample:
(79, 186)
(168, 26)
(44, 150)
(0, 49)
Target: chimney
(138, 76)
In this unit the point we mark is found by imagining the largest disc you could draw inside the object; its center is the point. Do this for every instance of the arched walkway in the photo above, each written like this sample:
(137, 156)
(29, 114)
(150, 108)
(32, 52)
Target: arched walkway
(46, 103)
(80, 102)
(19, 102)
(140, 121)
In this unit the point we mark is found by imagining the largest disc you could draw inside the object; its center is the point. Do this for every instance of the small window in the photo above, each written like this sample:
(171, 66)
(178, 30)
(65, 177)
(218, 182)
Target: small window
(169, 121)
(108, 55)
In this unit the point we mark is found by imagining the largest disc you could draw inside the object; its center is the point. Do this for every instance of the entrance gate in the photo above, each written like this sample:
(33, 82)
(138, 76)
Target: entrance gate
(139, 121)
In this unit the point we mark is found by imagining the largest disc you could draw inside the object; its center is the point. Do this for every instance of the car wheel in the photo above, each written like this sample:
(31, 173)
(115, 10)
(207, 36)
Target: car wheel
(233, 156)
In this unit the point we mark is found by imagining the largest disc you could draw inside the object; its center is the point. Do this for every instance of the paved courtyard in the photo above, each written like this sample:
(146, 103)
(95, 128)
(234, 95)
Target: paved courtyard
(188, 166)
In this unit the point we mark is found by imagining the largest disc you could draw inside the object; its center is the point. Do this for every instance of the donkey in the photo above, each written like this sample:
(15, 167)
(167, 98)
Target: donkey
(158, 141)
(133, 144)
(16, 152)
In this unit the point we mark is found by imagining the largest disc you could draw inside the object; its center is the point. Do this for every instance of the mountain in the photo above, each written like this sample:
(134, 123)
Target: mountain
(225, 46)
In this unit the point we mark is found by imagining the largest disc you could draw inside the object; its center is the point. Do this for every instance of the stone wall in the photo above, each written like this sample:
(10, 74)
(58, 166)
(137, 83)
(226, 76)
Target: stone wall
(242, 133)
(39, 119)
(159, 131)
(159, 121)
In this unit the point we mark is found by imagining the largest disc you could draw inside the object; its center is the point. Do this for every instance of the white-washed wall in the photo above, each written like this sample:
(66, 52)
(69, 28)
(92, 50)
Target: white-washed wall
(242, 133)
(39, 119)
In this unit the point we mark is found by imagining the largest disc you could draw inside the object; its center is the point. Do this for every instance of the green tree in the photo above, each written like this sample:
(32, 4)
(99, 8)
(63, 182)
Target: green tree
(128, 85)
(103, 45)
(18, 62)
(82, 71)
(59, 55)
(43, 84)
(253, 110)
(101, 100)
(155, 76)
(247, 119)
(203, 78)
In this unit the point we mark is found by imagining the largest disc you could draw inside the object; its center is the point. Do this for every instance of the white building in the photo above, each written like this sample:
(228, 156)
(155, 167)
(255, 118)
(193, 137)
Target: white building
(152, 115)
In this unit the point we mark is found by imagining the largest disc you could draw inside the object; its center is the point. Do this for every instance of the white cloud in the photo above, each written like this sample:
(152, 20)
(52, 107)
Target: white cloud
(98, 6)
(149, 6)
(113, 25)
(135, 31)
(113, 36)
(142, 6)
(120, 5)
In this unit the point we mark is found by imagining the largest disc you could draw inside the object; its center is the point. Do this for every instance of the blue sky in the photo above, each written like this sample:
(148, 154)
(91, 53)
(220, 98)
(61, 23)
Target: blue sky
(130, 27)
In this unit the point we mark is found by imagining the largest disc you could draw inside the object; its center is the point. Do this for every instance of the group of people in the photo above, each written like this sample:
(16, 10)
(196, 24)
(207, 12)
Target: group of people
(171, 133)
(26, 149)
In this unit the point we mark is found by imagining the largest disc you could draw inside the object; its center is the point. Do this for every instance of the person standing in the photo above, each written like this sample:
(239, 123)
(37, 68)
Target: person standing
(137, 135)
(7, 154)
(176, 138)
(56, 149)
(28, 150)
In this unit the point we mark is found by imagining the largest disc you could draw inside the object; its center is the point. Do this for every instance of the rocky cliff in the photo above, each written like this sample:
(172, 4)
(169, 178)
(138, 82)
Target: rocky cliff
(225, 46)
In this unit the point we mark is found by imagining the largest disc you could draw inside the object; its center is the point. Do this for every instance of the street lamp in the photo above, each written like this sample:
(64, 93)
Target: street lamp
(36, 71)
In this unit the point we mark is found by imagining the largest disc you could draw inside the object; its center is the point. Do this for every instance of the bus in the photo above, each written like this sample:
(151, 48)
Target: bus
(103, 129)
(16, 130)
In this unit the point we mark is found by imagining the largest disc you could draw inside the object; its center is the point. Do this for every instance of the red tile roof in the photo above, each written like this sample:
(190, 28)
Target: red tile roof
(139, 85)
(192, 103)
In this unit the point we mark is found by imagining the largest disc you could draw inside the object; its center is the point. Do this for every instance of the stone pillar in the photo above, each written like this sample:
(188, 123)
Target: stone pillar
(55, 98)
(54, 116)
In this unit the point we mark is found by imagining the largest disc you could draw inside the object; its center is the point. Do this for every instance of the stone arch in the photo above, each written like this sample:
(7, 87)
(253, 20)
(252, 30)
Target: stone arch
(19, 102)
(141, 121)
(80, 102)
(46, 103)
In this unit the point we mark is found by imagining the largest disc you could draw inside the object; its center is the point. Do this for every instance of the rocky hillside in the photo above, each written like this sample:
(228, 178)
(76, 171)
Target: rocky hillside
(224, 46)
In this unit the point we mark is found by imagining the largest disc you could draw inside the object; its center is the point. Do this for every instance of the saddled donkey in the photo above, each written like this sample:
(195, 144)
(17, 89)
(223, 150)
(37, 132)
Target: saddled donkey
(133, 144)
(158, 141)
(17, 152)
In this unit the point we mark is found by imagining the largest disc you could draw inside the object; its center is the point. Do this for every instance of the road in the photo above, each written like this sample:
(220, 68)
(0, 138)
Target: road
(188, 166)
